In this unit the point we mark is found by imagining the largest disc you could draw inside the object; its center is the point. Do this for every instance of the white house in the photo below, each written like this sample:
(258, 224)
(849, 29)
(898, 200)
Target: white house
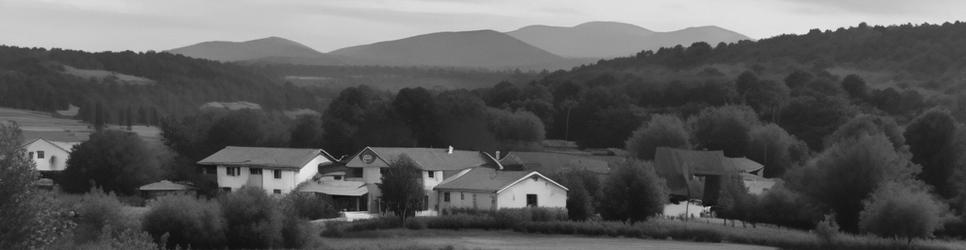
(277, 170)
(49, 156)
(458, 168)
(490, 189)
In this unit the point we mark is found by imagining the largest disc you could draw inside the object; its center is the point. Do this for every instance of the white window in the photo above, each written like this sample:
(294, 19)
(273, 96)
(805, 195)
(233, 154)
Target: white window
(40, 154)
(278, 174)
(255, 171)
(233, 171)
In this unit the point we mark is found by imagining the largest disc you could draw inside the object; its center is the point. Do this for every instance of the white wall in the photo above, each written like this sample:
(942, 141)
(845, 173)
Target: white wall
(290, 178)
(60, 156)
(548, 194)
(484, 200)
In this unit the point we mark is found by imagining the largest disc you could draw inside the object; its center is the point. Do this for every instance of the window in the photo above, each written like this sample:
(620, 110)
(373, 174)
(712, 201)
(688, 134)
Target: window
(462, 196)
(278, 174)
(40, 154)
(531, 200)
(30, 155)
(431, 174)
(233, 171)
(337, 177)
(226, 189)
(255, 171)
(277, 191)
(425, 202)
(446, 196)
(356, 172)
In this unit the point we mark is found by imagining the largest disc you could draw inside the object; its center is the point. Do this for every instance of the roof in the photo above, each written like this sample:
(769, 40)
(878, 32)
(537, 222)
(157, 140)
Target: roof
(165, 185)
(340, 188)
(678, 166)
(744, 165)
(488, 180)
(66, 146)
(294, 158)
(436, 159)
(545, 162)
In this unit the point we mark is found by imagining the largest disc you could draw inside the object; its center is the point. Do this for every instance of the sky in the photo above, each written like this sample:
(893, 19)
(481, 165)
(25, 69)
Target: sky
(140, 25)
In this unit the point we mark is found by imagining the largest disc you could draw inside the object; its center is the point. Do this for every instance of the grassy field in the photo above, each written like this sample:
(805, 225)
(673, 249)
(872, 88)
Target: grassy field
(37, 124)
(504, 239)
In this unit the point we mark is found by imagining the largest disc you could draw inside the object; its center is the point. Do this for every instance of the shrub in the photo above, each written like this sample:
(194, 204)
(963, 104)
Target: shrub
(297, 232)
(311, 206)
(114, 160)
(97, 212)
(907, 204)
(187, 222)
(415, 224)
(827, 230)
(251, 219)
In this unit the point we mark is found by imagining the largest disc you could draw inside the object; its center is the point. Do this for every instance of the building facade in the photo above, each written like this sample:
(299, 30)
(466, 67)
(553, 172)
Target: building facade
(276, 170)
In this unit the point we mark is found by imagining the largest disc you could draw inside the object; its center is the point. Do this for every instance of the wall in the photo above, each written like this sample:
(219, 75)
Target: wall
(484, 200)
(548, 194)
(50, 150)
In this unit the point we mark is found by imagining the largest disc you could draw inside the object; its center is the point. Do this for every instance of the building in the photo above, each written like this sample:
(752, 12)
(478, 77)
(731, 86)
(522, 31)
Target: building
(460, 170)
(698, 174)
(165, 187)
(277, 170)
(490, 189)
(50, 157)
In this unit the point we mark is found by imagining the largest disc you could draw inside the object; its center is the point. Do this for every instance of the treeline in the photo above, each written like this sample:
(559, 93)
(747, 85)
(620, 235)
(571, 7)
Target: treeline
(35, 79)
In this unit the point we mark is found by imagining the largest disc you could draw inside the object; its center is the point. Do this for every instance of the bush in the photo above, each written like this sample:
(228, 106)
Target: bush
(907, 204)
(186, 221)
(827, 230)
(116, 161)
(311, 206)
(251, 219)
(297, 232)
(97, 212)
(633, 192)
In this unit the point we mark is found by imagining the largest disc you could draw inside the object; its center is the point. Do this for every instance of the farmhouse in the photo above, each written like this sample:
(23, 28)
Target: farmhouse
(470, 172)
(50, 157)
(277, 170)
(693, 174)
(489, 189)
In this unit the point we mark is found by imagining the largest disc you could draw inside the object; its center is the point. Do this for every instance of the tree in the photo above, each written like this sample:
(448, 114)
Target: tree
(931, 137)
(798, 79)
(848, 172)
(579, 201)
(869, 125)
(812, 117)
(854, 85)
(773, 147)
(724, 128)
(353, 108)
(462, 121)
(116, 161)
(734, 201)
(903, 210)
(27, 215)
(416, 107)
(402, 189)
(307, 132)
(252, 128)
(252, 219)
(633, 192)
(660, 131)
(516, 130)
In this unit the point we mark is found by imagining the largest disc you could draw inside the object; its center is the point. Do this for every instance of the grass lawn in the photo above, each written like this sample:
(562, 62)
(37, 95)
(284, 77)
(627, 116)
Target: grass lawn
(505, 239)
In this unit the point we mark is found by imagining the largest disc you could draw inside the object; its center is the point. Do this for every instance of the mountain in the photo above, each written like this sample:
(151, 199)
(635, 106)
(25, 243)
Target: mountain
(614, 39)
(468, 49)
(273, 48)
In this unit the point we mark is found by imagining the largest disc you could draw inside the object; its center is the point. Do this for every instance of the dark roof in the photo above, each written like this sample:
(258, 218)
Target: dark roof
(165, 185)
(294, 158)
(678, 166)
(437, 159)
(546, 162)
(743, 165)
(487, 180)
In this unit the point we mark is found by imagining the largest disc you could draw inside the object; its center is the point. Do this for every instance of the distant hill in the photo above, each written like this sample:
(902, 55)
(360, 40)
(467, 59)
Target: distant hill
(468, 49)
(614, 39)
(276, 48)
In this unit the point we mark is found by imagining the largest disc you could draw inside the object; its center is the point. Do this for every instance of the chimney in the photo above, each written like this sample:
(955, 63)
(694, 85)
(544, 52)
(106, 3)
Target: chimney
(450, 150)
(497, 155)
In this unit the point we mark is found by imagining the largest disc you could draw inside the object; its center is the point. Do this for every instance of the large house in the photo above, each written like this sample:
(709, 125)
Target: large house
(451, 179)
(698, 174)
(277, 170)
(50, 157)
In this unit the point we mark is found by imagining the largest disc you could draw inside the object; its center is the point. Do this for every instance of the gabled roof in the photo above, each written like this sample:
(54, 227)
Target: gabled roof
(546, 162)
(66, 146)
(677, 166)
(165, 185)
(743, 165)
(291, 158)
(488, 180)
(435, 159)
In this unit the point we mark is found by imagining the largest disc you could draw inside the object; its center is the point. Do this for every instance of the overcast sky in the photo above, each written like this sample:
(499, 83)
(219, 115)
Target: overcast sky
(325, 25)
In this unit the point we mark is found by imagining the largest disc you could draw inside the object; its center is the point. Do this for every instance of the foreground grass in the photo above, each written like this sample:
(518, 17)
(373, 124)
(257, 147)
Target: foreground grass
(661, 229)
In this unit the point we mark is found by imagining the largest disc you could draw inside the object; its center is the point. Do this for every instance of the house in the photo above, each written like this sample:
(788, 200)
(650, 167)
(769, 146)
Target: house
(460, 170)
(165, 187)
(693, 174)
(50, 157)
(490, 189)
(277, 170)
